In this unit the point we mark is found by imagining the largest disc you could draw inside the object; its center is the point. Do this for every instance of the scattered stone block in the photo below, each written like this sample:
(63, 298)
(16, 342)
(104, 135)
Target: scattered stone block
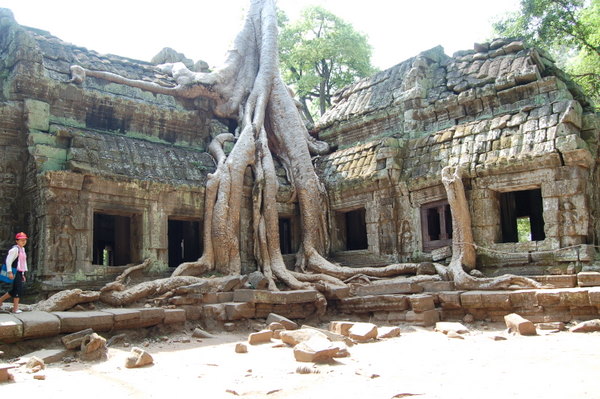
(200, 333)
(260, 337)
(586, 326)
(274, 326)
(294, 337)
(4, 374)
(556, 325)
(332, 336)
(241, 348)
(287, 323)
(35, 362)
(388, 332)
(519, 325)
(138, 358)
(74, 340)
(316, 349)
(93, 347)
(363, 332)
(341, 327)
(48, 356)
(447, 327)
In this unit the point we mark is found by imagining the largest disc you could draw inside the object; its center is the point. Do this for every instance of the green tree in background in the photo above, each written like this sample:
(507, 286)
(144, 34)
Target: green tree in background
(568, 29)
(320, 54)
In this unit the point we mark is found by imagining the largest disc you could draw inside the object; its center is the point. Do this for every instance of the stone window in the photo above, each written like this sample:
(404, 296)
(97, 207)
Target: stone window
(521, 216)
(185, 241)
(116, 239)
(286, 235)
(436, 225)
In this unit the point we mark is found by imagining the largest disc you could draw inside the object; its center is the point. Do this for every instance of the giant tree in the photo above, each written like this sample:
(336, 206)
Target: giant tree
(320, 54)
(249, 89)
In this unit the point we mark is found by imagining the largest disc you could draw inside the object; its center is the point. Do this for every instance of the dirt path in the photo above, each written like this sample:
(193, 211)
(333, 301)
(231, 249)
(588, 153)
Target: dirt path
(419, 363)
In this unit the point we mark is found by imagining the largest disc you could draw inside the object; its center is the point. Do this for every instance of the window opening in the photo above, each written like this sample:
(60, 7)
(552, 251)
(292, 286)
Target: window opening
(112, 240)
(436, 225)
(285, 235)
(185, 241)
(521, 214)
(356, 230)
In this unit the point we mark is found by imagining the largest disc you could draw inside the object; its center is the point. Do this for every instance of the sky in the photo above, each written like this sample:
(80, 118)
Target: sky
(203, 29)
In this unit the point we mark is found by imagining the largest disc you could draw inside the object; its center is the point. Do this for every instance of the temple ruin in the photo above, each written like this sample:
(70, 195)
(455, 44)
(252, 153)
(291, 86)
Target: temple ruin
(102, 175)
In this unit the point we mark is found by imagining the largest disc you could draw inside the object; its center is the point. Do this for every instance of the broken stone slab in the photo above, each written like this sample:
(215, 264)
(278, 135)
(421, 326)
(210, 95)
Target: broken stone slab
(588, 279)
(38, 324)
(363, 332)
(340, 327)
(519, 324)
(383, 287)
(74, 340)
(294, 337)
(275, 297)
(260, 337)
(48, 356)
(586, 326)
(76, 321)
(556, 325)
(93, 347)
(200, 333)
(287, 323)
(316, 349)
(4, 374)
(332, 336)
(447, 326)
(138, 358)
(388, 332)
(11, 328)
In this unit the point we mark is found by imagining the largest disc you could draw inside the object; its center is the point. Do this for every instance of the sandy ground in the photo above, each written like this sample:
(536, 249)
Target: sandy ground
(420, 363)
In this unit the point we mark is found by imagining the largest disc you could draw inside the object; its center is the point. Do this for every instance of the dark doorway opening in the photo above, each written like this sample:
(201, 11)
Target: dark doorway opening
(356, 230)
(436, 225)
(285, 236)
(112, 240)
(521, 214)
(185, 241)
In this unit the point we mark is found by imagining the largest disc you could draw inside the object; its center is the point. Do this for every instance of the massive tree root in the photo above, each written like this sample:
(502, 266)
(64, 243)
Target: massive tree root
(249, 89)
(463, 250)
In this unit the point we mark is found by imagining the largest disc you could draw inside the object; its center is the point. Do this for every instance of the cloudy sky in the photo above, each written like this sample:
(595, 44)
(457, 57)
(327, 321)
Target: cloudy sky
(203, 29)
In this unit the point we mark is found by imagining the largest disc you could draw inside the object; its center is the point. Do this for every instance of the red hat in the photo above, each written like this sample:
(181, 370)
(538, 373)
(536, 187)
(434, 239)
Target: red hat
(21, 236)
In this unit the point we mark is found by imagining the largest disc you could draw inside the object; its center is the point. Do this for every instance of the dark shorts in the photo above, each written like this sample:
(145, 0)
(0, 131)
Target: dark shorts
(17, 286)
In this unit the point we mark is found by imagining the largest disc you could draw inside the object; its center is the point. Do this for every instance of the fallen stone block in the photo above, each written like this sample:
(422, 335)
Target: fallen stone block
(4, 373)
(519, 325)
(138, 358)
(200, 333)
(48, 356)
(74, 340)
(332, 336)
(93, 347)
(260, 337)
(38, 324)
(586, 326)
(287, 323)
(363, 332)
(388, 332)
(316, 349)
(447, 327)
(241, 348)
(556, 325)
(340, 327)
(294, 337)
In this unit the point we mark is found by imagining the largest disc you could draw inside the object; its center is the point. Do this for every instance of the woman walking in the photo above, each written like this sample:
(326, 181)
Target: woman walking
(16, 255)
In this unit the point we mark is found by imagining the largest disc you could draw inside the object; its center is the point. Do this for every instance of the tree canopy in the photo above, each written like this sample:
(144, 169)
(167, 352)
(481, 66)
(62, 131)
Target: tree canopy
(568, 29)
(320, 54)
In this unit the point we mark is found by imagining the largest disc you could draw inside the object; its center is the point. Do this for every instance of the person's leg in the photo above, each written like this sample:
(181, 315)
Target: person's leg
(16, 304)
(4, 298)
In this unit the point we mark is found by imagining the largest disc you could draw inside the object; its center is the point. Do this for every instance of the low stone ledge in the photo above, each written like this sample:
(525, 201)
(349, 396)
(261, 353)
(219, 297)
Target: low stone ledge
(11, 328)
(388, 287)
(588, 279)
(275, 297)
(39, 324)
(124, 318)
(151, 316)
(76, 321)
(173, 316)
(373, 303)
(557, 281)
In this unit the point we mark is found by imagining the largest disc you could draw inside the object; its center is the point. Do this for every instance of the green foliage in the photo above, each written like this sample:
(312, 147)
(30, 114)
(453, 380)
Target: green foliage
(320, 54)
(568, 29)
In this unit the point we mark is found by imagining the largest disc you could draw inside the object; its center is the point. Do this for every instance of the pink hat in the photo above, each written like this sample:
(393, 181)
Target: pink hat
(21, 236)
